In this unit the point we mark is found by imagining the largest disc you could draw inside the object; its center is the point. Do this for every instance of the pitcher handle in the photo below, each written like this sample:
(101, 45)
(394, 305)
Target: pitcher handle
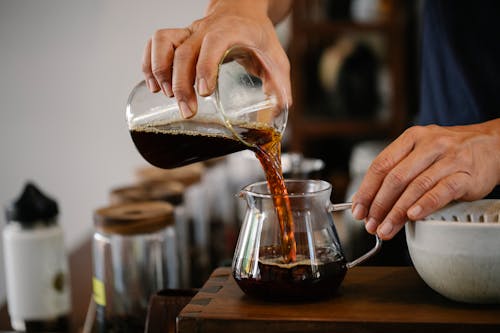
(378, 241)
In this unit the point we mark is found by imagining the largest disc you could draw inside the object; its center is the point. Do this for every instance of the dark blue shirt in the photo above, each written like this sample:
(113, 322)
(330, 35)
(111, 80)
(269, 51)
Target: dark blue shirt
(460, 62)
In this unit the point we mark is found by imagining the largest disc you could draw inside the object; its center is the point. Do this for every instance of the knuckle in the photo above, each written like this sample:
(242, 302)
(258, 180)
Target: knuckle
(214, 36)
(464, 160)
(179, 90)
(431, 127)
(397, 179)
(452, 187)
(414, 131)
(423, 183)
(377, 209)
(443, 143)
(184, 53)
(182, 91)
(146, 68)
(196, 25)
(207, 62)
(160, 73)
(362, 198)
(418, 133)
(433, 200)
(398, 214)
(161, 35)
(381, 165)
(203, 68)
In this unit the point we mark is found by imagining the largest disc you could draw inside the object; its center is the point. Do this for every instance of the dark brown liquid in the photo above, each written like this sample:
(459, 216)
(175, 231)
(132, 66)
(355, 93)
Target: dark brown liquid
(269, 155)
(169, 149)
(295, 281)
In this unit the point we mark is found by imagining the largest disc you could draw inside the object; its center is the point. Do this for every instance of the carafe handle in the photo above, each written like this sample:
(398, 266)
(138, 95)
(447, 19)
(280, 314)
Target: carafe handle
(378, 242)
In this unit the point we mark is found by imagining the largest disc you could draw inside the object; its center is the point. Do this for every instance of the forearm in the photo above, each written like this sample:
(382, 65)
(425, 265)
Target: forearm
(276, 10)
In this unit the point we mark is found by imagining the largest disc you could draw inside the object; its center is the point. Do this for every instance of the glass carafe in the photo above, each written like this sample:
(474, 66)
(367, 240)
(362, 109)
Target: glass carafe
(249, 107)
(259, 267)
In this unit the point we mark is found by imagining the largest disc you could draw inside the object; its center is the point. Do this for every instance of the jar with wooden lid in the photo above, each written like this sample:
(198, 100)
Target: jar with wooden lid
(134, 256)
(170, 191)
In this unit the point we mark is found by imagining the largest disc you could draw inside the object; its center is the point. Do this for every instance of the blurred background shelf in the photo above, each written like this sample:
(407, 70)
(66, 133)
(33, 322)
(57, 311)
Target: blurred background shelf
(315, 128)
(352, 70)
(337, 27)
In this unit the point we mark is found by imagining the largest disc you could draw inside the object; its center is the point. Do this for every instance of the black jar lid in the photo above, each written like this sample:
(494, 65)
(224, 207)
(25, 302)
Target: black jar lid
(134, 218)
(31, 207)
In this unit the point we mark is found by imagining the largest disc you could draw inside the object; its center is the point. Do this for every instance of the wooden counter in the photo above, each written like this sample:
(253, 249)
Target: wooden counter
(371, 299)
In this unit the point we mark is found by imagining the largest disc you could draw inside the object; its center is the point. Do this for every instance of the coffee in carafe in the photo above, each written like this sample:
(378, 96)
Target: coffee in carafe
(298, 280)
(167, 148)
(318, 265)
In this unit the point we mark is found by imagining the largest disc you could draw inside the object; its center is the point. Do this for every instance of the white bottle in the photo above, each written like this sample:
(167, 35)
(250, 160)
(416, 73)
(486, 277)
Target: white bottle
(36, 266)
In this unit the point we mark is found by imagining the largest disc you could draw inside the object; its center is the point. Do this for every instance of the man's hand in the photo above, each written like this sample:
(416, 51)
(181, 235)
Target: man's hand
(177, 60)
(425, 169)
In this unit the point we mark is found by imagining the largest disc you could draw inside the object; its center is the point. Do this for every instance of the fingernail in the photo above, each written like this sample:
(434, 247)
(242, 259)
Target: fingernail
(386, 229)
(359, 212)
(151, 85)
(414, 211)
(185, 110)
(202, 87)
(371, 225)
(167, 89)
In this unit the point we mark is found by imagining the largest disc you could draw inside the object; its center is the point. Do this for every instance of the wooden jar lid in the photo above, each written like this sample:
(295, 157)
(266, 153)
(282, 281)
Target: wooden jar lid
(128, 194)
(187, 175)
(169, 191)
(134, 218)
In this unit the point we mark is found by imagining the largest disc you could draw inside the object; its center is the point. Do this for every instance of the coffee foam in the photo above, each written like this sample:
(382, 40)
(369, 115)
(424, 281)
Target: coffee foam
(192, 128)
(300, 261)
(186, 128)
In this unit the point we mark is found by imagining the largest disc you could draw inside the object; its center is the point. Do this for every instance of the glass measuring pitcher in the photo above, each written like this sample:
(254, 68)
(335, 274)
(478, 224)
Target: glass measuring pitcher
(248, 108)
(320, 265)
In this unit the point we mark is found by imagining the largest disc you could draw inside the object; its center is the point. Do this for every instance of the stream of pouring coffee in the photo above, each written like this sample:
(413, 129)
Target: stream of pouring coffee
(168, 149)
(269, 155)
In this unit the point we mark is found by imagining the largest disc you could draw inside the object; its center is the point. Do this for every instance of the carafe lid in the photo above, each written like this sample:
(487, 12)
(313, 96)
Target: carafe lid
(31, 207)
(134, 218)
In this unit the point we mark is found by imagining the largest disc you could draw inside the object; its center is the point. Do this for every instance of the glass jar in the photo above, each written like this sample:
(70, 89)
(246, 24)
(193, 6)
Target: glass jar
(248, 108)
(263, 268)
(134, 254)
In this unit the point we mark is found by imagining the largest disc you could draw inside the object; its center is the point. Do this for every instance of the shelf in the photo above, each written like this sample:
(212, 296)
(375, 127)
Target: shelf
(329, 28)
(317, 128)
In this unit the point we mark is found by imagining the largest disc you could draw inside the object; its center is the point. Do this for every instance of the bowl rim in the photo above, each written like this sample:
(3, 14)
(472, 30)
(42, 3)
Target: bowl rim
(458, 223)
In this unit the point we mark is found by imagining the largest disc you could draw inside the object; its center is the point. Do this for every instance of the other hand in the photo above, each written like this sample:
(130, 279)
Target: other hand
(425, 169)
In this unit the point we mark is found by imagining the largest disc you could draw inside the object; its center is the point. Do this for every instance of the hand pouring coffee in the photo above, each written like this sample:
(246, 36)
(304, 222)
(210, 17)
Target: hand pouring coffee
(247, 111)
(288, 245)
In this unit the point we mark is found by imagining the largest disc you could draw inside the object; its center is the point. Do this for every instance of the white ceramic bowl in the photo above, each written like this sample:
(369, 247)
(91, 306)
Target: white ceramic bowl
(456, 251)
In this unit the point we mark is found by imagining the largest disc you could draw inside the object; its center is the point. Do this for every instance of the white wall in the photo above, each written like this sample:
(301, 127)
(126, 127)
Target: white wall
(66, 68)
